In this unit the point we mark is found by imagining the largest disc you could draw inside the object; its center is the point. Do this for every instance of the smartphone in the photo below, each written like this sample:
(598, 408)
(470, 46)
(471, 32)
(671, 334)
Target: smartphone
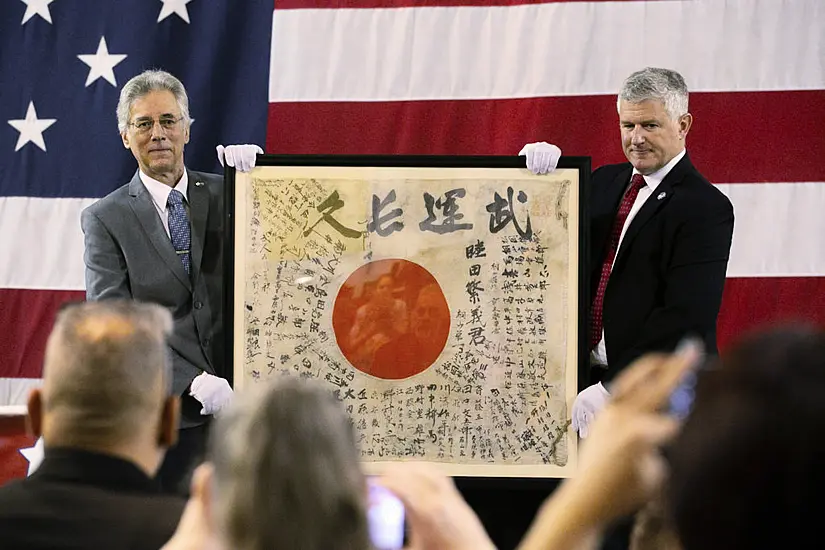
(385, 517)
(681, 399)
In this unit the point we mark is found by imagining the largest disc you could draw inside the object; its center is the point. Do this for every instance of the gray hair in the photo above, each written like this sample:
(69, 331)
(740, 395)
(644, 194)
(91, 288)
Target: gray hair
(287, 471)
(106, 370)
(150, 81)
(657, 84)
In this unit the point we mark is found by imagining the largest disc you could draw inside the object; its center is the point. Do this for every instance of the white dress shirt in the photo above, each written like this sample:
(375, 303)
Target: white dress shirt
(652, 181)
(160, 194)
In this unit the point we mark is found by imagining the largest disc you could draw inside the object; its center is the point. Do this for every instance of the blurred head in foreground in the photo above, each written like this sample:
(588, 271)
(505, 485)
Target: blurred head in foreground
(284, 472)
(106, 383)
(747, 469)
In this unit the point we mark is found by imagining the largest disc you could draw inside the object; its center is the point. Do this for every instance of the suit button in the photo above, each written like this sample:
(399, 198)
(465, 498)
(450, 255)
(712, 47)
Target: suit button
(206, 342)
(198, 305)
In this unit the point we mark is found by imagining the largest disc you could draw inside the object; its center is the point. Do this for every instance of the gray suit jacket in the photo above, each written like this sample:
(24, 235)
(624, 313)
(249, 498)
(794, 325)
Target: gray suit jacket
(129, 255)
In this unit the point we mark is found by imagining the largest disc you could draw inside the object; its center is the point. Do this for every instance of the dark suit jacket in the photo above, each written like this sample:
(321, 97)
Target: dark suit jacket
(129, 255)
(669, 272)
(78, 499)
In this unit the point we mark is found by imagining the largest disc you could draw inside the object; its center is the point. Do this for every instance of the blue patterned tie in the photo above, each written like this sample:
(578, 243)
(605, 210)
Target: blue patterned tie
(179, 227)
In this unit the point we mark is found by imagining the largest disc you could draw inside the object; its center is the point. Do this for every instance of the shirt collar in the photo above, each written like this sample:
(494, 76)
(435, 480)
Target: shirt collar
(160, 191)
(653, 180)
(93, 468)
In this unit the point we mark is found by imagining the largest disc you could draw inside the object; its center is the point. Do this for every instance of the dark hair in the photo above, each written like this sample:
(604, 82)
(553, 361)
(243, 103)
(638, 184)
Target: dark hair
(748, 469)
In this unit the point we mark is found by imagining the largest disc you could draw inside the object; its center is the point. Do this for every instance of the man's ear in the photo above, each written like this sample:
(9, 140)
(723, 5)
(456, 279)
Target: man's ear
(34, 421)
(125, 138)
(168, 427)
(685, 122)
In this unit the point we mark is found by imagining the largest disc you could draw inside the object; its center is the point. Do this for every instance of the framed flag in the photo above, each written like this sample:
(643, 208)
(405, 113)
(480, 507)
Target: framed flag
(439, 298)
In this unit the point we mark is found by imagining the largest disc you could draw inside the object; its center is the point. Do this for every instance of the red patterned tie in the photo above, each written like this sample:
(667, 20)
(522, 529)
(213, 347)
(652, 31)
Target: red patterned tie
(636, 183)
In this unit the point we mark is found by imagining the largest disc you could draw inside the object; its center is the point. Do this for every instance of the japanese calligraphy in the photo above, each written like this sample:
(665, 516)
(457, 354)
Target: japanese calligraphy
(330, 205)
(449, 210)
(436, 310)
(502, 213)
(382, 224)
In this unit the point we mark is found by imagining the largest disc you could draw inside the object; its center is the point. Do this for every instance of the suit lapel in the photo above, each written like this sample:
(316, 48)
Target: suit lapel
(144, 209)
(198, 214)
(617, 189)
(604, 210)
(661, 195)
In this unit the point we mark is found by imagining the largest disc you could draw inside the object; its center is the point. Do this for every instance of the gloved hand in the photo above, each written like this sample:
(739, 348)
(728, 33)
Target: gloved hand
(214, 393)
(542, 157)
(587, 405)
(242, 157)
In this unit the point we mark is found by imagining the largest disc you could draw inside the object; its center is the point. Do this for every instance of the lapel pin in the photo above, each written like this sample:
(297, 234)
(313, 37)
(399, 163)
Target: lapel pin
(661, 195)
(200, 184)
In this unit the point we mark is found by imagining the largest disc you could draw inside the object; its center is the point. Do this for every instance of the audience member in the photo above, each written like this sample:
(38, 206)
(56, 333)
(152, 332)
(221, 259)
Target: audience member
(283, 472)
(106, 416)
(747, 468)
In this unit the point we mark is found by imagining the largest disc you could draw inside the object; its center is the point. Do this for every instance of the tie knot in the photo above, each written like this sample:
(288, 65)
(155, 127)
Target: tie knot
(637, 181)
(175, 198)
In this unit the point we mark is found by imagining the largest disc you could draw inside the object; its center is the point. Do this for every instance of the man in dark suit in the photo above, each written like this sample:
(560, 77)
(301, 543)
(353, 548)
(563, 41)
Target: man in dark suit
(660, 237)
(660, 242)
(159, 239)
(107, 416)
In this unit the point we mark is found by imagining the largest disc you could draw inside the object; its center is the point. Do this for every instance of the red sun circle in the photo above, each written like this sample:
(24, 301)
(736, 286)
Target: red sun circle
(391, 319)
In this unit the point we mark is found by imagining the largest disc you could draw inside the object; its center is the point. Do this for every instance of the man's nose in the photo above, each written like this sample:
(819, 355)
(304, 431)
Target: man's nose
(158, 133)
(637, 135)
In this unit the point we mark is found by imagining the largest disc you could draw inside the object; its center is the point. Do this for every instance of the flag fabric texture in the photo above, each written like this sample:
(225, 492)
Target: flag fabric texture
(62, 65)
(447, 77)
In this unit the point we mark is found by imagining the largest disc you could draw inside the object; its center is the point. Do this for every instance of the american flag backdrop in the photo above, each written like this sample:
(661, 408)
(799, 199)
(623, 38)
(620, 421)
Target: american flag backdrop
(409, 77)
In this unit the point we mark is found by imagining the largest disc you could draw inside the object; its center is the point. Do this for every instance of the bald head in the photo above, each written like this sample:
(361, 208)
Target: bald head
(106, 373)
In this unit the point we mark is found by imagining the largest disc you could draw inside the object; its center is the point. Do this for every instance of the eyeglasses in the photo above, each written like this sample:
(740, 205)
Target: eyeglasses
(145, 125)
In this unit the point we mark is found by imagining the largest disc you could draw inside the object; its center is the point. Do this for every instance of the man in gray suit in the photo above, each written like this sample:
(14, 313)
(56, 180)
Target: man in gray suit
(159, 239)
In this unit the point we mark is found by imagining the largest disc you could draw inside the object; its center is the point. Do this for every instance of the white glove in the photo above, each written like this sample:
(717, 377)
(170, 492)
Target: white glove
(587, 405)
(214, 393)
(242, 157)
(542, 157)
